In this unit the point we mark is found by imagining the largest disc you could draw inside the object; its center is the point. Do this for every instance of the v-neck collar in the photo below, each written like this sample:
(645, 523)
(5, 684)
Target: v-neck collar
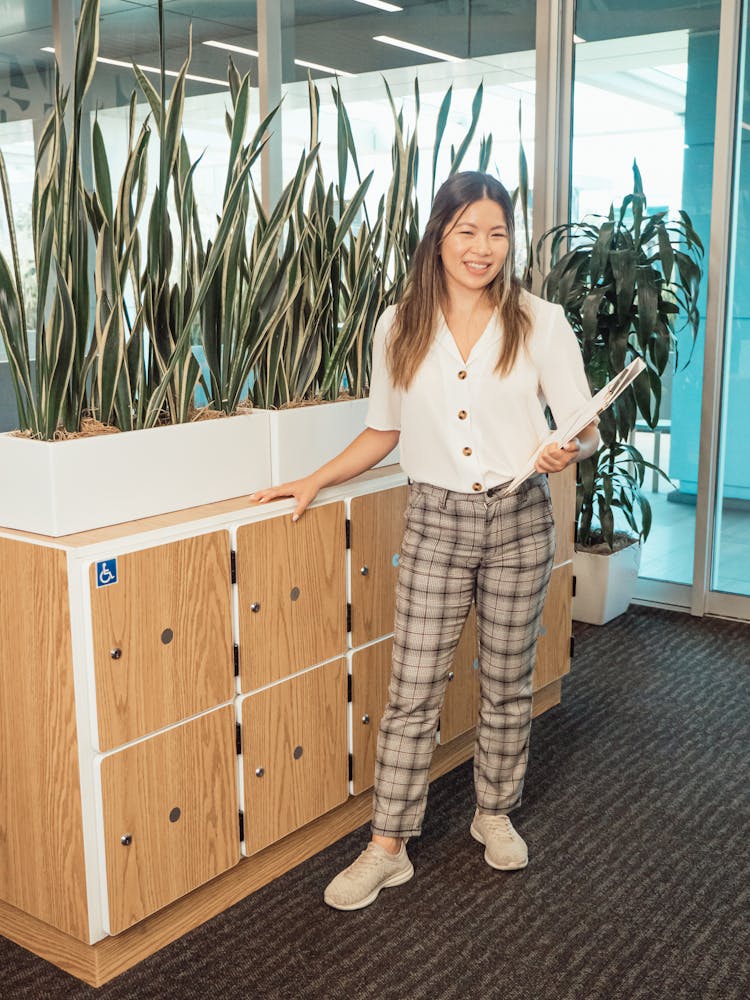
(488, 338)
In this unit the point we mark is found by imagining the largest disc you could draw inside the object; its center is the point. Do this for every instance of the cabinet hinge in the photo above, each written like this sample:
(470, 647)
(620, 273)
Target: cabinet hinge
(349, 687)
(348, 533)
(348, 618)
(574, 585)
(236, 660)
(238, 737)
(572, 646)
(233, 566)
(351, 768)
(242, 826)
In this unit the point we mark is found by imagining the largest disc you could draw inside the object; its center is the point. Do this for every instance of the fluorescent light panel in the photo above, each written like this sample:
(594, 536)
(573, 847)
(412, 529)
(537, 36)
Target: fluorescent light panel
(443, 56)
(323, 69)
(150, 69)
(297, 62)
(232, 48)
(381, 5)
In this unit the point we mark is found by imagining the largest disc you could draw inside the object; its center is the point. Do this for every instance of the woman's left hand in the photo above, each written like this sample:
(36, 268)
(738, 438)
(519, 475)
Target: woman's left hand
(555, 457)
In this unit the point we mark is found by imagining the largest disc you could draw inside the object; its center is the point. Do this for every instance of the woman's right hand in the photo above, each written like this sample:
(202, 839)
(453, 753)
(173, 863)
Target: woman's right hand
(304, 492)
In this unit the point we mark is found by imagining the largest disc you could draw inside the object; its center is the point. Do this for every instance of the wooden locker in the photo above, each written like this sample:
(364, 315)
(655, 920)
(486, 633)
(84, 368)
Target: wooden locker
(371, 672)
(377, 526)
(553, 646)
(291, 579)
(461, 705)
(294, 753)
(171, 819)
(162, 637)
(562, 489)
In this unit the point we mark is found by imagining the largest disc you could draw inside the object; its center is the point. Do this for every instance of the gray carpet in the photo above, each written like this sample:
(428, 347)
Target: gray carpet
(636, 811)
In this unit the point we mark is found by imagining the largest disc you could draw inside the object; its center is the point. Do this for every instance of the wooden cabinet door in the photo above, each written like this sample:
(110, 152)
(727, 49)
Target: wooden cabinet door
(562, 488)
(461, 705)
(553, 646)
(162, 637)
(377, 526)
(294, 753)
(170, 815)
(371, 673)
(291, 580)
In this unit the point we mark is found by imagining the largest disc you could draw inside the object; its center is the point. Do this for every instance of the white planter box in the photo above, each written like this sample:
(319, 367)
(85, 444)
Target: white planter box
(304, 438)
(605, 584)
(57, 488)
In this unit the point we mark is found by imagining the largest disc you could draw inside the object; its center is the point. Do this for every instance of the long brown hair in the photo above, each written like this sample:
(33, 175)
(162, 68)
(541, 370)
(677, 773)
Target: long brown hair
(425, 293)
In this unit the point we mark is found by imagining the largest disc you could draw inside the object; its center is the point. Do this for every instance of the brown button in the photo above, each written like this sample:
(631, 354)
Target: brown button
(477, 487)
(462, 414)
(462, 373)
(467, 451)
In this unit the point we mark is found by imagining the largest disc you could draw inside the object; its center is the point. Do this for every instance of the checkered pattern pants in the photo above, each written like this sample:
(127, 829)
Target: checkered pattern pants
(498, 551)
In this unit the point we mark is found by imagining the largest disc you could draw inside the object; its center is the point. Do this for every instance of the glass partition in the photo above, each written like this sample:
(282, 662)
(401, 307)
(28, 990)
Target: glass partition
(650, 96)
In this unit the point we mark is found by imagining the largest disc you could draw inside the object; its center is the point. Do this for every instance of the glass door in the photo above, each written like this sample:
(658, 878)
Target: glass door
(728, 569)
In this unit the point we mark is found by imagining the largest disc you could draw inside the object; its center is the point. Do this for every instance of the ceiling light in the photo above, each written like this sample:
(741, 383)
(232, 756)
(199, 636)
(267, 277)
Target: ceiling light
(232, 48)
(416, 48)
(150, 69)
(323, 69)
(381, 5)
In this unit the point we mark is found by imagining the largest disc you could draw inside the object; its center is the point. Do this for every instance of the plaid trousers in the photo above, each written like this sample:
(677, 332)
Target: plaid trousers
(497, 550)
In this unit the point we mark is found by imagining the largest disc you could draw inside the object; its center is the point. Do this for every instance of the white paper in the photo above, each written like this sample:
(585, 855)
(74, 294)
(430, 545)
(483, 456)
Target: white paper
(583, 417)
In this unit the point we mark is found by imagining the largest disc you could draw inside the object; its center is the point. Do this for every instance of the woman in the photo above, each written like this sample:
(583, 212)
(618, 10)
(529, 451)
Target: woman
(462, 370)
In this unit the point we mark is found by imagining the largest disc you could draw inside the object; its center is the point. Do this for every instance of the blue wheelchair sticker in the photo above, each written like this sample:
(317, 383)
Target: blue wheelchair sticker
(106, 572)
(394, 560)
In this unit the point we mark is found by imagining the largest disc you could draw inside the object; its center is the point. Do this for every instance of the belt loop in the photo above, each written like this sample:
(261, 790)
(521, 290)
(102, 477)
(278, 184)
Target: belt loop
(442, 498)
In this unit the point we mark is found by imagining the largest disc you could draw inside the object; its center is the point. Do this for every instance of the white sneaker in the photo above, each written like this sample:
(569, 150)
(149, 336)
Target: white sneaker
(358, 885)
(505, 849)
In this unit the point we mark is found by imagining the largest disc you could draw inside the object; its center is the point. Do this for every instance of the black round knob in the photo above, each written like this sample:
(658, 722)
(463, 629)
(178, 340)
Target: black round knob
(126, 840)
(365, 718)
(175, 814)
(365, 570)
(255, 607)
(116, 654)
(294, 593)
(451, 675)
(167, 636)
(298, 753)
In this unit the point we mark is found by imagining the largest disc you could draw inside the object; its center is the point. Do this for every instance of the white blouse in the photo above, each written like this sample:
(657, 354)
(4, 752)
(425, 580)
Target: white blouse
(464, 427)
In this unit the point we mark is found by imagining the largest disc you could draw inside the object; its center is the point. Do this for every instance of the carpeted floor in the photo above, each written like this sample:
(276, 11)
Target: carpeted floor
(637, 815)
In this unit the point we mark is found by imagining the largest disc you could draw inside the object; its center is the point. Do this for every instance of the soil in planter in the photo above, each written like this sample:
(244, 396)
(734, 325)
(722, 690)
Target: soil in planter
(621, 541)
(91, 427)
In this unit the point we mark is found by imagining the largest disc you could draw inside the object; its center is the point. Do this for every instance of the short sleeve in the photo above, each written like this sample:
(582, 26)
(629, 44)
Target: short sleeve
(384, 409)
(561, 373)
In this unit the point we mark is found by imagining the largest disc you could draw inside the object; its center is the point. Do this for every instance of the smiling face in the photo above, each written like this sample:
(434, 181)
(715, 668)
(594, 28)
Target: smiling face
(474, 246)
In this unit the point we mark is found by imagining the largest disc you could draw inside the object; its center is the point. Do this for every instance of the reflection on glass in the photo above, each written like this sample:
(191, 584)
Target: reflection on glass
(491, 47)
(651, 98)
(731, 561)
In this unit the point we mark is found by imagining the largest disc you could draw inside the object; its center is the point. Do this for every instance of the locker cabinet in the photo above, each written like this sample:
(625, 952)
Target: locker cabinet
(461, 704)
(170, 815)
(291, 584)
(377, 524)
(162, 636)
(294, 753)
(370, 674)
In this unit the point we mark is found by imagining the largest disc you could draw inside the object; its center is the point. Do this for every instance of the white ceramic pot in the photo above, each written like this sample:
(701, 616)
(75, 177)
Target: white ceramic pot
(304, 438)
(605, 583)
(57, 488)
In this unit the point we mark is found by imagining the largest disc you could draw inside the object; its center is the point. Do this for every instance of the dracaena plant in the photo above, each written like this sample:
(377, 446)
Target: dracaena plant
(629, 284)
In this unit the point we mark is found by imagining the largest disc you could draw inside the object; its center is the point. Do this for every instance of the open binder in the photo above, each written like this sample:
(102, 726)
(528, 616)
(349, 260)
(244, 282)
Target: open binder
(583, 417)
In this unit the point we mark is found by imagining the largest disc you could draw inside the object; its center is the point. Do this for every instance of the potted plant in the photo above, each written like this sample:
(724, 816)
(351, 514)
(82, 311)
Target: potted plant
(628, 283)
(124, 371)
